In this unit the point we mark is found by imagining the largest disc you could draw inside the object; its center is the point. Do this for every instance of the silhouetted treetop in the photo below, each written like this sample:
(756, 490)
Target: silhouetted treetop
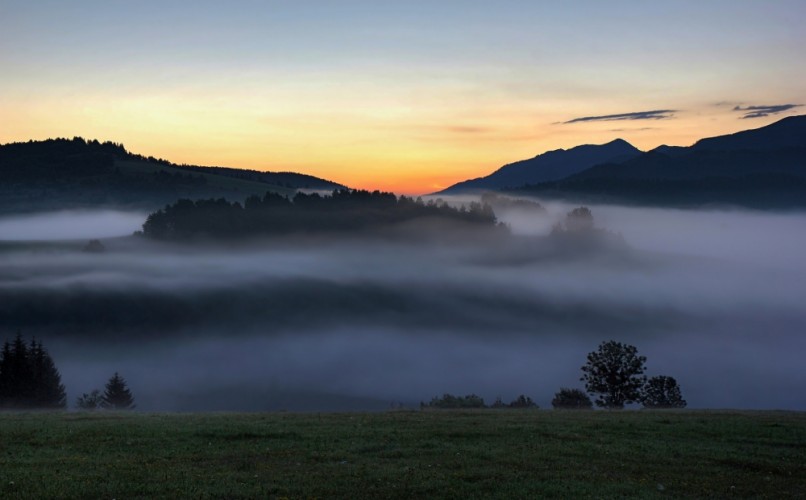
(117, 395)
(28, 377)
(614, 373)
(273, 214)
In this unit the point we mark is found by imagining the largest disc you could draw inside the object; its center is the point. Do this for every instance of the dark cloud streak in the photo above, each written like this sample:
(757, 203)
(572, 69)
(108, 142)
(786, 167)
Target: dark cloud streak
(632, 129)
(658, 114)
(761, 111)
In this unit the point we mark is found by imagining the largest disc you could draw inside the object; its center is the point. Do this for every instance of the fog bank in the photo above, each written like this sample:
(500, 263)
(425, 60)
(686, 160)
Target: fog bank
(713, 298)
(69, 225)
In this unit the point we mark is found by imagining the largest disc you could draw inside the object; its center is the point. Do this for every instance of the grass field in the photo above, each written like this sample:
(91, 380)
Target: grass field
(482, 454)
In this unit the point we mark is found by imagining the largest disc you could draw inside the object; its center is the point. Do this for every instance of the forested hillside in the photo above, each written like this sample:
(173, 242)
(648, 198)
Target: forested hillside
(58, 174)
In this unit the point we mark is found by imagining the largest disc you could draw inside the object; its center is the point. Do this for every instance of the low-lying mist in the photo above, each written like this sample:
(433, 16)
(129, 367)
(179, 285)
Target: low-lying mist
(713, 298)
(68, 225)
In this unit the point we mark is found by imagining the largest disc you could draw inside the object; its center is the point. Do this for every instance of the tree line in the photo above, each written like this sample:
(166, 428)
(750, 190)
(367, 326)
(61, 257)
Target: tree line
(613, 374)
(29, 380)
(274, 214)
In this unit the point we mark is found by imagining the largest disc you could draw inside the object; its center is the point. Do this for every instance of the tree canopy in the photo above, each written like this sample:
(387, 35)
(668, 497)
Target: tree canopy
(273, 214)
(614, 372)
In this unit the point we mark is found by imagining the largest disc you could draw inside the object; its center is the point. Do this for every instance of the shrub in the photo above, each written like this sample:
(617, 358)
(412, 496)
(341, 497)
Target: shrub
(523, 401)
(662, 392)
(571, 399)
(89, 402)
(451, 401)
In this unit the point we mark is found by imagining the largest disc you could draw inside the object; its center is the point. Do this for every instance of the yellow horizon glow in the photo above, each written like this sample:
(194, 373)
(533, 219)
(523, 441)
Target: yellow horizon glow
(357, 139)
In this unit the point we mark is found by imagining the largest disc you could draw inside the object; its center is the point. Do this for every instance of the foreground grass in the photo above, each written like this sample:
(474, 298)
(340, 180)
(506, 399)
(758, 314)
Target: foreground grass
(511, 454)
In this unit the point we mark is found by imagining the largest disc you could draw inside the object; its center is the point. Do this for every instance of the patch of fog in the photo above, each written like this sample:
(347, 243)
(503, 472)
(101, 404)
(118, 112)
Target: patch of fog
(754, 237)
(70, 225)
(375, 369)
(713, 298)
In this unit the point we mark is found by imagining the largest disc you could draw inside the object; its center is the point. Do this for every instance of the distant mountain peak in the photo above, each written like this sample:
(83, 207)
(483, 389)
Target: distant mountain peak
(549, 166)
(619, 142)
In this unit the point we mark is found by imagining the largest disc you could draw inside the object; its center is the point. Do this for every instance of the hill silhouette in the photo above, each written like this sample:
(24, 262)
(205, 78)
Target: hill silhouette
(761, 168)
(58, 174)
(549, 166)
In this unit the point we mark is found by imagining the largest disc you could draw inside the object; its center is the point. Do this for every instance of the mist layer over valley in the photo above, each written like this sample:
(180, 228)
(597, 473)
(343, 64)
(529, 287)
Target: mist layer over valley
(713, 298)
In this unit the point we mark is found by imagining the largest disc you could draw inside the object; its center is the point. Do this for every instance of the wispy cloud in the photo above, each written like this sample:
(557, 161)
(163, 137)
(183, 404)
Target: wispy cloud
(761, 111)
(632, 129)
(657, 114)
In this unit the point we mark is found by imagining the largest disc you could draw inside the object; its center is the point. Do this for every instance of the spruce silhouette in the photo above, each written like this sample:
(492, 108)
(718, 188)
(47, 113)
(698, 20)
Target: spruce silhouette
(117, 395)
(28, 377)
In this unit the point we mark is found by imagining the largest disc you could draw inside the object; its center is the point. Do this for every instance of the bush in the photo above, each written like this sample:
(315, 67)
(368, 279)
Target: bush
(523, 402)
(571, 399)
(662, 392)
(498, 403)
(451, 401)
(89, 402)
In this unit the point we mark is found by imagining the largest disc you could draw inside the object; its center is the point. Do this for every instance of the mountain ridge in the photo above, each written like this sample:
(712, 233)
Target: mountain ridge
(762, 168)
(548, 166)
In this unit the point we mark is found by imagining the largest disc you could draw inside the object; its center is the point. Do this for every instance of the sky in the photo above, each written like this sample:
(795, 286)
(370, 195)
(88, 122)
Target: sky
(408, 96)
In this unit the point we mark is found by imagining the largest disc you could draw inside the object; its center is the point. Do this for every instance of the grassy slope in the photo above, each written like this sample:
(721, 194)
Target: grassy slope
(508, 454)
(214, 181)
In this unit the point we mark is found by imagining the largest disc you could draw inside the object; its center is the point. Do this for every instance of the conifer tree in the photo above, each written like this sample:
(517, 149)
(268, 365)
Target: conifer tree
(48, 391)
(6, 363)
(117, 395)
(28, 377)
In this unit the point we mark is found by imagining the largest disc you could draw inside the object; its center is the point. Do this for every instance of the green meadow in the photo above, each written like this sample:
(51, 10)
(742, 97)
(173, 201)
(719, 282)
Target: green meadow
(404, 454)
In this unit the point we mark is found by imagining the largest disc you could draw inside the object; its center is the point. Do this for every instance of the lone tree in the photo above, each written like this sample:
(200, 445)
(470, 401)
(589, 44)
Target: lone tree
(117, 395)
(615, 373)
(662, 392)
(571, 399)
(28, 377)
